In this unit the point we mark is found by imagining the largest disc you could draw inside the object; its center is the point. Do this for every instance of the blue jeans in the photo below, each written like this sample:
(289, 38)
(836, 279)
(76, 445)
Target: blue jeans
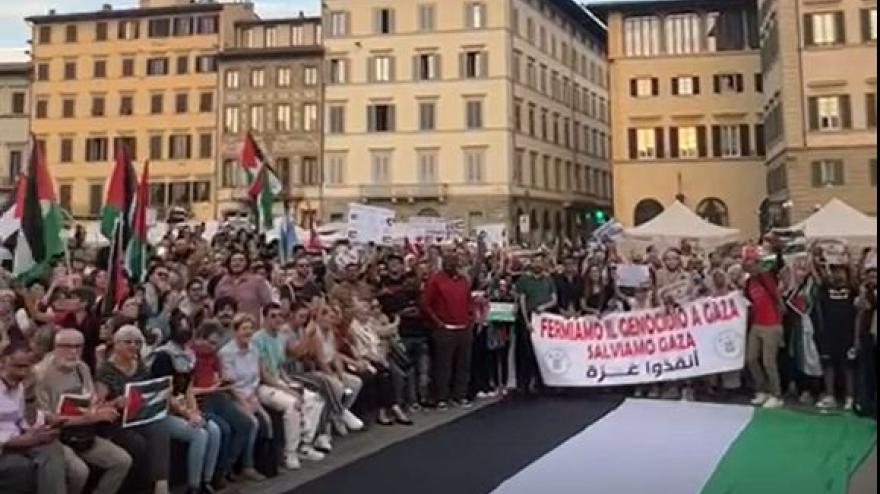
(202, 450)
(242, 430)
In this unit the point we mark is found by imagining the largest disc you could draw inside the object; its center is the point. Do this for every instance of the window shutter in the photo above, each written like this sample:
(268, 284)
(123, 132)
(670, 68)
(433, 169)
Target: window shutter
(673, 142)
(655, 86)
(739, 83)
(371, 69)
(633, 87)
(674, 83)
(392, 24)
(760, 146)
(701, 141)
(484, 64)
(745, 145)
(845, 111)
(716, 141)
(839, 27)
(633, 144)
(809, 40)
(759, 83)
(462, 65)
(377, 20)
(838, 173)
(871, 110)
(817, 173)
(813, 108)
(371, 119)
(696, 85)
(716, 83)
(392, 126)
(866, 24)
(437, 66)
(392, 74)
(347, 26)
(416, 68)
(658, 142)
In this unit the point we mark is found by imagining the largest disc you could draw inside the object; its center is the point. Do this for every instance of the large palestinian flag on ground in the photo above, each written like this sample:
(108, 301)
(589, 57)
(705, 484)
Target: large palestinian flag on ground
(146, 401)
(120, 193)
(264, 185)
(39, 238)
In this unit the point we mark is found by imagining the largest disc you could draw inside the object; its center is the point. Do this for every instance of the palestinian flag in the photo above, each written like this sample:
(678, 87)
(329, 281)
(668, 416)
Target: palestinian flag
(39, 239)
(71, 405)
(146, 401)
(264, 186)
(652, 446)
(120, 193)
(116, 282)
(9, 224)
(136, 248)
(287, 239)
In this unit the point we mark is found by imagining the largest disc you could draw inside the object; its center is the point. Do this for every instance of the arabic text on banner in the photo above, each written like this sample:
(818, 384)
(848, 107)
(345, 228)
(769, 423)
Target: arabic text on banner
(706, 336)
(370, 224)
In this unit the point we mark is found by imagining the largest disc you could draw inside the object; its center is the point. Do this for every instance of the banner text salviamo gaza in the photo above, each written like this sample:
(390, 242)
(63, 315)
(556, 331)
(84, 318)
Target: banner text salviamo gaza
(643, 333)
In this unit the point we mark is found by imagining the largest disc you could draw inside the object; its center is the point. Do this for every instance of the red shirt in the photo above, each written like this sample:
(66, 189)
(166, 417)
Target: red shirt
(448, 298)
(763, 293)
(207, 366)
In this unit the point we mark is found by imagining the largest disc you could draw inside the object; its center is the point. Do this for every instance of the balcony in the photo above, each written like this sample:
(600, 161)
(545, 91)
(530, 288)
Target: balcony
(403, 192)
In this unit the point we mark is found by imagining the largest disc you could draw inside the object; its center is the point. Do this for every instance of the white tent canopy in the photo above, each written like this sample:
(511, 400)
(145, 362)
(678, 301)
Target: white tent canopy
(677, 223)
(838, 220)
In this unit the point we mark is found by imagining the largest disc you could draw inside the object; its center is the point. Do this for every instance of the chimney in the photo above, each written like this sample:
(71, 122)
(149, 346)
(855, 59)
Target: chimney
(301, 14)
(51, 11)
(106, 7)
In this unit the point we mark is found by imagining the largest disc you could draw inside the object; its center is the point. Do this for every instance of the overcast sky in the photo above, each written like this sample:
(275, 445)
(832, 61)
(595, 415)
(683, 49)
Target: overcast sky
(14, 32)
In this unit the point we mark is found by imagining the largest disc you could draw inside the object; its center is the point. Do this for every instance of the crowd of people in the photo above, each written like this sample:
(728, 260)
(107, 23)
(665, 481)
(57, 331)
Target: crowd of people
(324, 344)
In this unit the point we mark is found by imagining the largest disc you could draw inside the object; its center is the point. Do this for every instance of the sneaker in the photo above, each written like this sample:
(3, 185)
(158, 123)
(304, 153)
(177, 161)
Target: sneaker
(688, 394)
(442, 406)
(773, 402)
(848, 403)
(252, 474)
(309, 453)
(760, 399)
(806, 398)
(292, 462)
(827, 403)
(415, 408)
(323, 443)
(465, 403)
(481, 395)
(351, 421)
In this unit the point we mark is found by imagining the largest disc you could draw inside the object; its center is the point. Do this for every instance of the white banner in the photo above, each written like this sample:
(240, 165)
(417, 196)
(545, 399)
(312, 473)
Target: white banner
(495, 234)
(370, 224)
(426, 229)
(706, 336)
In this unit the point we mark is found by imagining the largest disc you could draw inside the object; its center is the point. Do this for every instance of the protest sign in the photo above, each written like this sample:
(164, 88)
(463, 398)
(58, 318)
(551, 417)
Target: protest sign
(146, 401)
(426, 229)
(610, 230)
(370, 224)
(706, 336)
(501, 312)
(632, 275)
(71, 405)
(494, 234)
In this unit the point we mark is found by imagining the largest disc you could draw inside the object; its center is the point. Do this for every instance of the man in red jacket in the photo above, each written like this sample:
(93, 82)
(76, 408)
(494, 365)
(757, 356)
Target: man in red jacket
(765, 334)
(447, 303)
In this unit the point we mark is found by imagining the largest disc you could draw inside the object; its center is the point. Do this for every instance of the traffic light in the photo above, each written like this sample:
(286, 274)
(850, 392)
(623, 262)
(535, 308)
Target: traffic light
(599, 217)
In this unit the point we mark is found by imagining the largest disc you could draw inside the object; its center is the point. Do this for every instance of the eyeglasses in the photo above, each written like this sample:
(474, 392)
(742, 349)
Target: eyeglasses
(69, 346)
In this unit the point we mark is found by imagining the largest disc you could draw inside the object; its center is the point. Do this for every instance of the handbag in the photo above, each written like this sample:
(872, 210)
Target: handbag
(79, 438)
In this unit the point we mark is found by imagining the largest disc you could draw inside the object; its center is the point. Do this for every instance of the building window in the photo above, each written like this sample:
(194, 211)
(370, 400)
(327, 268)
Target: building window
(97, 106)
(729, 141)
(231, 79)
(474, 166)
(70, 33)
(336, 117)
(474, 114)
(127, 143)
(126, 105)
(335, 172)
(182, 64)
(427, 67)
(685, 86)
(646, 144)
(380, 118)
(182, 26)
(42, 71)
(155, 147)
(127, 67)
(381, 69)
(646, 210)
(824, 29)
(682, 34)
(644, 87)
(338, 24)
(475, 15)
(68, 108)
(714, 211)
(127, 30)
(100, 69)
(427, 166)
(159, 28)
(156, 103)
(427, 115)
(181, 103)
(871, 110)
(42, 109)
(641, 36)
(309, 172)
(283, 118)
(297, 36)
(258, 118)
(201, 191)
(44, 35)
(426, 18)
(158, 194)
(66, 155)
(179, 146)
(231, 174)
(869, 24)
(96, 198)
(157, 66)
(272, 37)
(827, 173)
(69, 71)
(230, 120)
(380, 167)
(830, 113)
(338, 71)
(383, 21)
(258, 78)
(207, 24)
(96, 149)
(283, 77)
(18, 103)
(14, 164)
(687, 142)
(728, 83)
(206, 102)
(206, 63)
(206, 146)
(475, 65)
(179, 193)
(310, 117)
(100, 31)
(310, 76)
